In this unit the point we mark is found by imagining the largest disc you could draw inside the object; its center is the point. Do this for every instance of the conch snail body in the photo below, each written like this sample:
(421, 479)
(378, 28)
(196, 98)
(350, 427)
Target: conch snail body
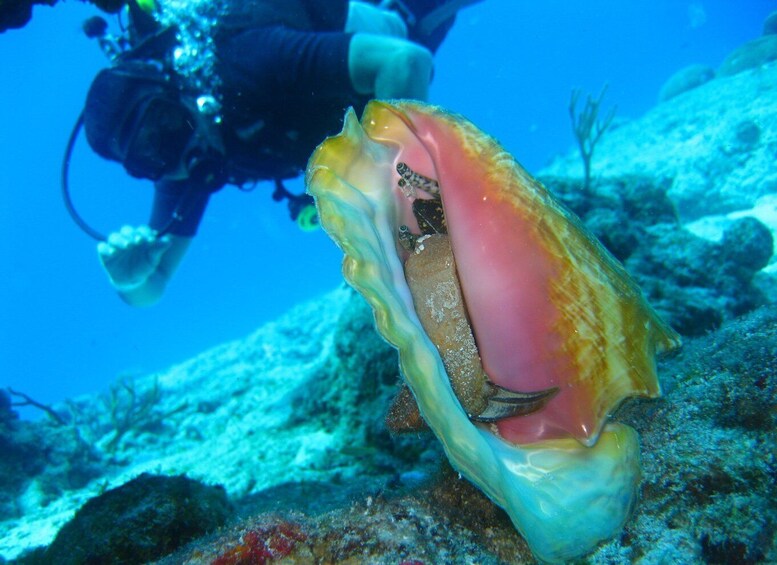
(518, 333)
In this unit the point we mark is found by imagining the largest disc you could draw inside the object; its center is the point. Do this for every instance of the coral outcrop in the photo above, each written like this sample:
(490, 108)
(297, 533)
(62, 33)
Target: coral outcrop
(140, 521)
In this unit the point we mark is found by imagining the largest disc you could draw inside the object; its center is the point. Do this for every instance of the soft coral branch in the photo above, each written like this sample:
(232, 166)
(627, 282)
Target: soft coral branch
(588, 128)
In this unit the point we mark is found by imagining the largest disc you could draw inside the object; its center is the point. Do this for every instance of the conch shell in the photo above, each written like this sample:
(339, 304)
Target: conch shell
(560, 332)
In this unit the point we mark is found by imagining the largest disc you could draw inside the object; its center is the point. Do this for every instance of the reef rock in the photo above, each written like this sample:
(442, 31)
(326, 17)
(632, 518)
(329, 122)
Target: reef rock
(323, 479)
(695, 283)
(140, 521)
(770, 24)
(684, 80)
(751, 55)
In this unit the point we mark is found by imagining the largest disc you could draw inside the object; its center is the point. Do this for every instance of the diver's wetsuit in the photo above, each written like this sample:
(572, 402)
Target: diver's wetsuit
(285, 86)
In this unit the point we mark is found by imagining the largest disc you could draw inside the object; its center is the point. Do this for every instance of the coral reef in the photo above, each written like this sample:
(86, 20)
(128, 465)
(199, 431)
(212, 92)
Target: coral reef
(268, 402)
(708, 454)
(705, 499)
(714, 145)
(706, 159)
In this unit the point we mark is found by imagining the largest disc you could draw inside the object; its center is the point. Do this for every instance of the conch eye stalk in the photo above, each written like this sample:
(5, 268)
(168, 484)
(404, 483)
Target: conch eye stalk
(409, 178)
(518, 333)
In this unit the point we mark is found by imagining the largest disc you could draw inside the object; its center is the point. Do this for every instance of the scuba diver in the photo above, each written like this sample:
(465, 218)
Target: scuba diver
(240, 92)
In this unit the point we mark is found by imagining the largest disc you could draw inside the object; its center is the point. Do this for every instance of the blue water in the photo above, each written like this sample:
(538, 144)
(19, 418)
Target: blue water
(508, 65)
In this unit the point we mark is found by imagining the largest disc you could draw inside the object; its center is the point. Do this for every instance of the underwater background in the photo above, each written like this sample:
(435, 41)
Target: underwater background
(243, 418)
(508, 65)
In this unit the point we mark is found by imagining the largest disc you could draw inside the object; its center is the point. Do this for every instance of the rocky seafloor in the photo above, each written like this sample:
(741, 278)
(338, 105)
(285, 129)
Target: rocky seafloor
(281, 435)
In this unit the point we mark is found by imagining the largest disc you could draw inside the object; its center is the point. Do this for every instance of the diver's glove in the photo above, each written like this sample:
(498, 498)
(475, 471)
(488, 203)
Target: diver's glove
(131, 256)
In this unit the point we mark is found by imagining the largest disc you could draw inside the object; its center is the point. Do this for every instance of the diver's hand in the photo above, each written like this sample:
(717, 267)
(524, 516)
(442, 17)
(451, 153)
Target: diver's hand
(131, 256)
(366, 18)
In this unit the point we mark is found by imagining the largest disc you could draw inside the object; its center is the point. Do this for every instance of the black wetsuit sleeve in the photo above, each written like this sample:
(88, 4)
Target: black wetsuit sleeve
(327, 15)
(302, 15)
(177, 207)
